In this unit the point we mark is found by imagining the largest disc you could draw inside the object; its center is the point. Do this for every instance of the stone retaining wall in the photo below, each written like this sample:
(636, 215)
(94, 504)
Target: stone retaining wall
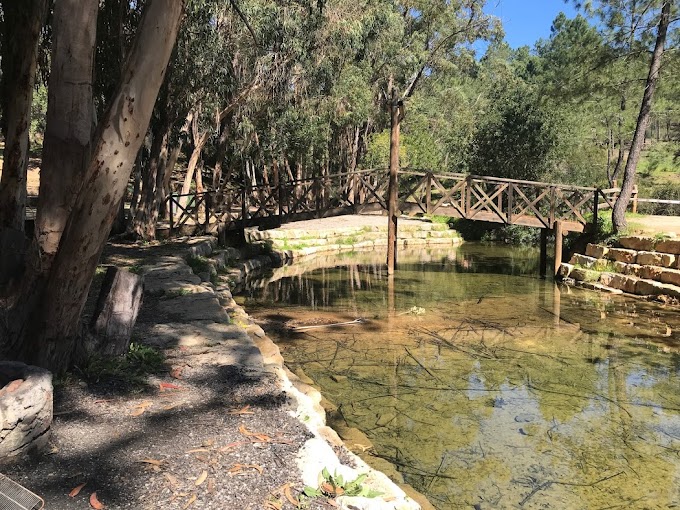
(641, 266)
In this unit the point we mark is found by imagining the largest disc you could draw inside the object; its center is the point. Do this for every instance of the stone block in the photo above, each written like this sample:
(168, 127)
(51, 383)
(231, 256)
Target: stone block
(637, 243)
(606, 278)
(565, 270)
(671, 276)
(585, 275)
(623, 282)
(621, 267)
(652, 258)
(648, 288)
(650, 272)
(622, 255)
(671, 246)
(596, 251)
(582, 260)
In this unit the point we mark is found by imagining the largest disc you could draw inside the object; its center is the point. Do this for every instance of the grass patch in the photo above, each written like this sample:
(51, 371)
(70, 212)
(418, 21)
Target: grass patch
(199, 264)
(132, 369)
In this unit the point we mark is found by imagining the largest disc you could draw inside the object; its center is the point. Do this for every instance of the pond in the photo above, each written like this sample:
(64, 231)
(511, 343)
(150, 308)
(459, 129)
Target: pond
(486, 386)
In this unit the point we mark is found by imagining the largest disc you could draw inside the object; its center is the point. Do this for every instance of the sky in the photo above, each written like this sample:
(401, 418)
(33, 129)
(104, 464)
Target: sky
(526, 21)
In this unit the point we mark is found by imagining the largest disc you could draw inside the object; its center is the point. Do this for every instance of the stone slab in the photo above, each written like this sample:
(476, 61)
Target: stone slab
(669, 246)
(637, 243)
(596, 251)
(622, 255)
(652, 258)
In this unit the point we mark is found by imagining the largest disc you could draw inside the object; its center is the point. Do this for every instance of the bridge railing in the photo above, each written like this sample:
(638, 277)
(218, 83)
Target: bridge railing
(473, 197)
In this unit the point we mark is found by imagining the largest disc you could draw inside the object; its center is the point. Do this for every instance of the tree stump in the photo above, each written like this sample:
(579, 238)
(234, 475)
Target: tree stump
(116, 312)
(25, 409)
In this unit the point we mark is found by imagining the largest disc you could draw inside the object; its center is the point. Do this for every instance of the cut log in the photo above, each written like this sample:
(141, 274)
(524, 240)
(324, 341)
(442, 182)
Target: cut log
(117, 307)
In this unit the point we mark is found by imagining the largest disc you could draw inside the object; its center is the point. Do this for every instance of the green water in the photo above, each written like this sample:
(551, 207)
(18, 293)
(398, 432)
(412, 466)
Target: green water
(486, 386)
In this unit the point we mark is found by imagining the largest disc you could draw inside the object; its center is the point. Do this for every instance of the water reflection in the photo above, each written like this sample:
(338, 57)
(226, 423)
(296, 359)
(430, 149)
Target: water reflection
(487, 386)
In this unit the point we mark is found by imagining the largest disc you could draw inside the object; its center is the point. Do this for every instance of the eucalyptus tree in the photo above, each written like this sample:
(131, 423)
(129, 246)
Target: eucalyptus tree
(42, 307)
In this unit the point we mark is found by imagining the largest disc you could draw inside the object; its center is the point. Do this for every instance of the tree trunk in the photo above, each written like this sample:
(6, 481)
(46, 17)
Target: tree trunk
(116, 312)
(50, 338)
(221, 154)
(619, 212)
(70, 121)
(23, 20)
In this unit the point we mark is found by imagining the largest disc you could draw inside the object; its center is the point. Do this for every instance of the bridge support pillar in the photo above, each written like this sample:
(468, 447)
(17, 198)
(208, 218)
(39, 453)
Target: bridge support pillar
(558, 247)
(543, 267)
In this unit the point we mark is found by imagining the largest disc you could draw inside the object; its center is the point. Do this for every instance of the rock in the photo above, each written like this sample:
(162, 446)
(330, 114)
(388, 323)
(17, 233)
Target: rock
(649, 272)
(338, 378)
(596, 251)
(637, 243)
(582, 260)
(671, 276)
(25, 411)
(525, 418)
(669, 246)
(623, 282)
(621, 255)
(651, 258)
(303, 377)
(621, 267)
(585, 275)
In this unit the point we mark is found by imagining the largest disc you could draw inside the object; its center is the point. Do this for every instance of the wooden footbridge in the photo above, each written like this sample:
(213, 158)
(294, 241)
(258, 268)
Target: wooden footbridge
(473, 197)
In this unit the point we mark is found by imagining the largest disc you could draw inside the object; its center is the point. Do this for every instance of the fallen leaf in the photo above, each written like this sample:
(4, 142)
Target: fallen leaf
(245, 410)
(198, 450)
(289, 496)
(95, 503)
(237, 468)
(168, 386)
(140, 408)
(103, 401)
(172, 406)
(208, 442)
(76, 490)
(273, 505)
(174, 482)
(211, 485)
(152, 461)
(191, 500)
(176, 372)
(232, 445)
(201, 478)
(264, 438)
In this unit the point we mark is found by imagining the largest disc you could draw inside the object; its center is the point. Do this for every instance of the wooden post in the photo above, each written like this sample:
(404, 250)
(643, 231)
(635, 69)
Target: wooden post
(511, 205)
(468, 196)
(392, 213)
(172, 213)
(543, 266)
(596, 207)
(558, 247)
(428, 194)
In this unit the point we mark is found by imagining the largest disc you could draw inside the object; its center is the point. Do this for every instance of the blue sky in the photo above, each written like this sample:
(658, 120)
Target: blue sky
(526, 21)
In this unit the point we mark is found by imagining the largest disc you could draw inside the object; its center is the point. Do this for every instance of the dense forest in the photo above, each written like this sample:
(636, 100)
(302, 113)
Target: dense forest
(128, 101)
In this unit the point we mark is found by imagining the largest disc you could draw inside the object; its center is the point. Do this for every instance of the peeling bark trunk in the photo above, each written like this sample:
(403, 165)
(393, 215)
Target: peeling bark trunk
(619, 211)
(50, 334)
(23, 20)
(70, 121)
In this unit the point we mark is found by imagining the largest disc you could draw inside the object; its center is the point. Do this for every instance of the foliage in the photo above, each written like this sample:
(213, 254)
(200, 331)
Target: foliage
(132, 368)
(335, 485)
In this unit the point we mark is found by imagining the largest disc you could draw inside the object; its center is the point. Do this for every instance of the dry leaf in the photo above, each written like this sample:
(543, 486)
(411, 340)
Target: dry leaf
(237, 468)
(198, 450)
(172, 406)
(140, 408)
(95, 503)
(273, 505)
(152, 462)
(174, 482)
(211, 485)
(191, 500)
(176, 372)
(76, 490)
(168, 386)
(289, 496)
(232, 445)
(201, 478)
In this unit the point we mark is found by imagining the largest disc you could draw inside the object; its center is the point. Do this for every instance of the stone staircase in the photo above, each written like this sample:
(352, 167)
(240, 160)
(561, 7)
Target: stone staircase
(293, 243)
(642, 266)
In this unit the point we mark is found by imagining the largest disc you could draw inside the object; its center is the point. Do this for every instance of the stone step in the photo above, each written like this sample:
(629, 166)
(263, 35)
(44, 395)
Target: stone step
(630, 256)
(303, 234)
(664, 282)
